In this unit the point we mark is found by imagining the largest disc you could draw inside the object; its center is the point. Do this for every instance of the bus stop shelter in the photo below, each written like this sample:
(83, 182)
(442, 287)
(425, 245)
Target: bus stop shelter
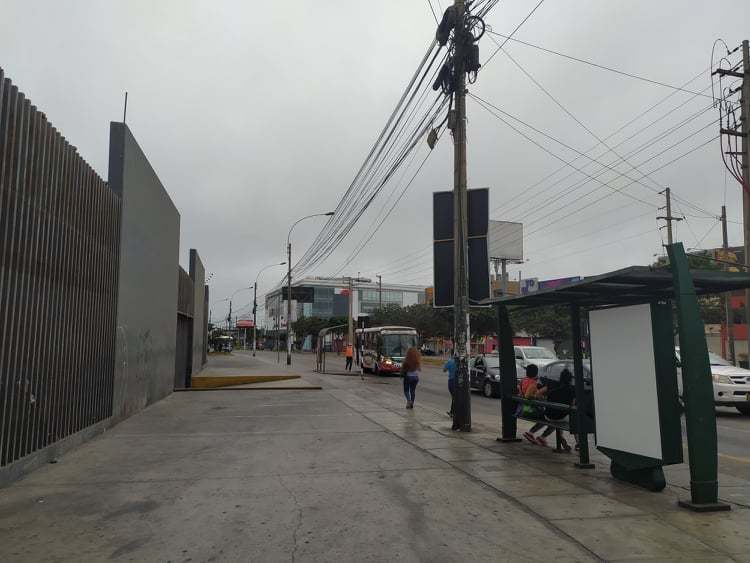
(320, 352)
(660, 288)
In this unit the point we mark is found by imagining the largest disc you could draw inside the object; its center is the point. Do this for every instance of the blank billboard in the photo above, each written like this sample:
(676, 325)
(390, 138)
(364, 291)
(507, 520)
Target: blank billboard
(505, 240)
(624, 370)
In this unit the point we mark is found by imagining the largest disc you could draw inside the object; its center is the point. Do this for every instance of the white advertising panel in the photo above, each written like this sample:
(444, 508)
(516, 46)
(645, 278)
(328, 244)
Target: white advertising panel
(625, 399)
(505, 240)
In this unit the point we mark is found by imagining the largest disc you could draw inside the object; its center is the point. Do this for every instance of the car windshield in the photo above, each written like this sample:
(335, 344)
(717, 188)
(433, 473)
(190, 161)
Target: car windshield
(713, 359)
(492, 361)
(396, 345)
(539, 354)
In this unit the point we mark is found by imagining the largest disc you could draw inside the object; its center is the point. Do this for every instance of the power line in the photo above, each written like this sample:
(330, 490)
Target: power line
(378, 167)
(484, 104)
(434, 15)
(607, 195)
(580, 123)
(620, 129)
(597, 65)
(512, 33)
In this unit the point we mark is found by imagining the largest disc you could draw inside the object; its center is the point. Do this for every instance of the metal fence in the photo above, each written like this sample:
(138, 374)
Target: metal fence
(59, 239)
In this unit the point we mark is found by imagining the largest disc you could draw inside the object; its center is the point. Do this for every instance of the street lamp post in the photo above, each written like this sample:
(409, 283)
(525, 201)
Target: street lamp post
(255, 303)
(289, 284)
(229, 317)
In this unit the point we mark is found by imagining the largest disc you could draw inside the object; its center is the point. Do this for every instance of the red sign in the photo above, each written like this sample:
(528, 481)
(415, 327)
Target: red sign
(244, 323)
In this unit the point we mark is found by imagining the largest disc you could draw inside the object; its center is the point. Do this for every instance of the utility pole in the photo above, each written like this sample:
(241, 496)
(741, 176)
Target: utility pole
(669, 217)
(380, 292)
(728, 313)
(462, 415)
(289, 283)
(745, 132)
(278, 327)
(289, 303)
(255, 316)
(351, 313)
(504, 273)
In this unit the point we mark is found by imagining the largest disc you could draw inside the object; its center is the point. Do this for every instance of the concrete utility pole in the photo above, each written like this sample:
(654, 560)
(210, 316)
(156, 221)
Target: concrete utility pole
(380, 292)
(668, 217)
(462, 415)
(745, 132)
(504, 273)
(728, 313)
(289, 283)
(350, 334)
(255, 304)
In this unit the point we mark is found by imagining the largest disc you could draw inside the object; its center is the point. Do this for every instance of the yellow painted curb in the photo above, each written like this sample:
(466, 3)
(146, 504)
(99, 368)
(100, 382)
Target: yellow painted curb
(226, 381)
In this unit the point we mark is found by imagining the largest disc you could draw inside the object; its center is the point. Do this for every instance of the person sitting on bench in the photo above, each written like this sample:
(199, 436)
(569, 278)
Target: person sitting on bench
(563, 393)
(531, 379)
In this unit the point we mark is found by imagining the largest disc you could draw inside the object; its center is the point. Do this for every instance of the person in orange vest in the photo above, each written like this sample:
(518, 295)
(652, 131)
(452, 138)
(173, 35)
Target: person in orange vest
(349, 356)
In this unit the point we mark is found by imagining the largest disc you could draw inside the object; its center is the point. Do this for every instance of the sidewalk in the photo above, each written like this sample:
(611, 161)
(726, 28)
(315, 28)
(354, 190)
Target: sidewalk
(340, 474)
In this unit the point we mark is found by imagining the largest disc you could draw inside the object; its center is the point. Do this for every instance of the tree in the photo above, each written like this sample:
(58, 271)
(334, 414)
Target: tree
(546, 322)
(312, 326)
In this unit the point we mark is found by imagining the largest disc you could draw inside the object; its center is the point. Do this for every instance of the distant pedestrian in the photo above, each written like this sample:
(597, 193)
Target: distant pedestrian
(451, 368)
(349, 356)
(410, 372)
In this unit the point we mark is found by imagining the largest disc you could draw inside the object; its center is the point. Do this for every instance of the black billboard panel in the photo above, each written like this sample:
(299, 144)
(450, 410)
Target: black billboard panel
(479, 270)
(478, 219)
(442, 215)
(443, 270)
(478, 212)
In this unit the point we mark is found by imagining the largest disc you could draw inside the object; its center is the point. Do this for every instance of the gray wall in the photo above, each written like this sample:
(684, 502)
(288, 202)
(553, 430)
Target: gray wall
(149, 251)
(198, 275)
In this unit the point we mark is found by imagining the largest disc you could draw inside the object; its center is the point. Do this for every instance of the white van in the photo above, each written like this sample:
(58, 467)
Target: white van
(534, 355)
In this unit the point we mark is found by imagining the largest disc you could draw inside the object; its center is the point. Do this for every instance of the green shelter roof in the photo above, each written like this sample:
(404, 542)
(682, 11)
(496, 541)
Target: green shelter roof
(629, 286)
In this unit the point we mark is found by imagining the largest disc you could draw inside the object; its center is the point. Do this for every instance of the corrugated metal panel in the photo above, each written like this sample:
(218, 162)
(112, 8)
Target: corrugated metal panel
(59, 240)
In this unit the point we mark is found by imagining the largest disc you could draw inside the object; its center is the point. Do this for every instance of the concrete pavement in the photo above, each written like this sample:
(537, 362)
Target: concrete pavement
(341, 474)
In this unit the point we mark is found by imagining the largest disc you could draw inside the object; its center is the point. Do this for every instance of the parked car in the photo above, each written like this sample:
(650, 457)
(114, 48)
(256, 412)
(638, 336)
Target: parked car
(484, 374)
(534, 355)
(551, 373)
(731, 384)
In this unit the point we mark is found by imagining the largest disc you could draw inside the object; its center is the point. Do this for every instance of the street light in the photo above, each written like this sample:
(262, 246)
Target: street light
(255, 303)
(229, 317)
(214, 303)
(289, 284)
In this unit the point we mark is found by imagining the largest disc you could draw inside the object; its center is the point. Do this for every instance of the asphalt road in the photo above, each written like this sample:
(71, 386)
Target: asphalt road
(733, 429)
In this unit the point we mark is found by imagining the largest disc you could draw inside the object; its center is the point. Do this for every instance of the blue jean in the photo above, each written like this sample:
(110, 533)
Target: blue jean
(410, 387)
(452, 390)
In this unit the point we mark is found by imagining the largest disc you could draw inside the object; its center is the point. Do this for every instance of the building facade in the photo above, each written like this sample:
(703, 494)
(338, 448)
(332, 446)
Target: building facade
(331, 299)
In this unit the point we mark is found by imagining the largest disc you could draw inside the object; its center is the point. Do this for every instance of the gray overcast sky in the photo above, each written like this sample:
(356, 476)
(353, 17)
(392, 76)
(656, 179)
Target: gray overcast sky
(256, 113)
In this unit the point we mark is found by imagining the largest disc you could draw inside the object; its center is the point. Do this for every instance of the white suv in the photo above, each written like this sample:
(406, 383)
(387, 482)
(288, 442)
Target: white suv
(731, 384)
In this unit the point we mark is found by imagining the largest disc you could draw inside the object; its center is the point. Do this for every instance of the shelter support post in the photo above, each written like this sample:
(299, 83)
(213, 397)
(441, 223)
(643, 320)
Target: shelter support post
(581, 427)
(700, 414)
(508, 380)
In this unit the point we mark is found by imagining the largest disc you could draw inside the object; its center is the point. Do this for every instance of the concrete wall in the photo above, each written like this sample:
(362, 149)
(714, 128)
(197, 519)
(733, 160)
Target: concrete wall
(147, 301)
(198, 275)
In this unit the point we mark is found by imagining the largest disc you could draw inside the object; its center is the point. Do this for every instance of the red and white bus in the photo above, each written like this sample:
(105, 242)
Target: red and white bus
(383, 348)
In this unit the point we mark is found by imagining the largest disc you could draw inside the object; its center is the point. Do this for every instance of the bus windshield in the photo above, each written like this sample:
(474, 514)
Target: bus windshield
(396, 345)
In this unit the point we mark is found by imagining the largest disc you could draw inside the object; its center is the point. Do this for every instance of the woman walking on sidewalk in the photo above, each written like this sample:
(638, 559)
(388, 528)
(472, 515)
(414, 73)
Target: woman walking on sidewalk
(410, 372)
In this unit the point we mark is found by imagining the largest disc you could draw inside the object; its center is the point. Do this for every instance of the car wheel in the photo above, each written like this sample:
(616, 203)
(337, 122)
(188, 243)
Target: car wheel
(744, 409)
(487, 389)
(375, 369)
